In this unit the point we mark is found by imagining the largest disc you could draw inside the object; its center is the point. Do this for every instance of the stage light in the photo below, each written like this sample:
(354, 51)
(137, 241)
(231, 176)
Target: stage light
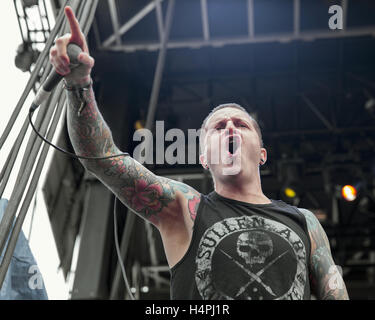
(290, 193)
(290, 172)
(145, 289)
(349, 193)
(370, 105)
(25, 57)
(370, 102)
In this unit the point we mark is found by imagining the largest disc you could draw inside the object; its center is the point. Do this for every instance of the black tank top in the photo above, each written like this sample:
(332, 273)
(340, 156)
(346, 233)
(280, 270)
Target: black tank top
(244, 251)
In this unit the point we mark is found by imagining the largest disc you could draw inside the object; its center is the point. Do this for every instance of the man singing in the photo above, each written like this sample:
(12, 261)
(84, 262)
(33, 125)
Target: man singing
(234, 243)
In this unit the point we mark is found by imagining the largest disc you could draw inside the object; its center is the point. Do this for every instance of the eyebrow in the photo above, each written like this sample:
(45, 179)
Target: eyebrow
(235, 118)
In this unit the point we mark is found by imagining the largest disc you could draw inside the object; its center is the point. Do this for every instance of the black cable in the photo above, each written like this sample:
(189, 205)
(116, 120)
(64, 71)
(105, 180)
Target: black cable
(67, 152)
(118, 250)
(31, 111)
(38, 66)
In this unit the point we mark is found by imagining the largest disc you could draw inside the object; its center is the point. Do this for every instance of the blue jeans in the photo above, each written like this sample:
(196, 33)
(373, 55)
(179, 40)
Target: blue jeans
(23, 280)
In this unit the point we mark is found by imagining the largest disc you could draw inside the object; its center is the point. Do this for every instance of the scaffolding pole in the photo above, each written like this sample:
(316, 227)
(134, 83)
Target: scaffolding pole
(53, 107)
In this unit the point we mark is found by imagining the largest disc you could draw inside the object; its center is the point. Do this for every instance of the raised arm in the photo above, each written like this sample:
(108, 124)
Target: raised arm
(163, 202)
(325, 278)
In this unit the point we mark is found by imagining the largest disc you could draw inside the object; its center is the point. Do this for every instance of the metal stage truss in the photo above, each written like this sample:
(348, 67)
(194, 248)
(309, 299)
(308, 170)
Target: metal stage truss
(153, 36)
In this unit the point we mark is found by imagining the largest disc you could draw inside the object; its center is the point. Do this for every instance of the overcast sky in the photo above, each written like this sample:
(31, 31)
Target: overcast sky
(12, 83)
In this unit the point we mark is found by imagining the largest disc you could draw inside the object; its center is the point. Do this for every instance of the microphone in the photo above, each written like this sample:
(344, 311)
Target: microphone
(73, 50)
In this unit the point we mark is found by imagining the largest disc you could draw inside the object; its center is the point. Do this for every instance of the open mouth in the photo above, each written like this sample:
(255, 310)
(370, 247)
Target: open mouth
(233, 144)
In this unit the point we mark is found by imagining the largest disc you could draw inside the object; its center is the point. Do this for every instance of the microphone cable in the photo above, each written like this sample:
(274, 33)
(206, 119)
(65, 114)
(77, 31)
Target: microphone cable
(125, 154)
(119, 252)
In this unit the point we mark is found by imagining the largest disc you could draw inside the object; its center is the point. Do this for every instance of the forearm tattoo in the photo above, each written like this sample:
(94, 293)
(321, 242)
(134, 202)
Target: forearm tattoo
(137, 187)
(88, 131)
(191, 195)
(327, 283)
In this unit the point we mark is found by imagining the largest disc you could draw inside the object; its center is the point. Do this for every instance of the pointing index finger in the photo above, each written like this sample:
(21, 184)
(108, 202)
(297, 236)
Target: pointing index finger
(73, 23)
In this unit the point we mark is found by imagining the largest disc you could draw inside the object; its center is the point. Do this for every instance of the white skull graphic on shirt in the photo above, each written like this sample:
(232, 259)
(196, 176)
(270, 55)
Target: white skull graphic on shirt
(254, 247)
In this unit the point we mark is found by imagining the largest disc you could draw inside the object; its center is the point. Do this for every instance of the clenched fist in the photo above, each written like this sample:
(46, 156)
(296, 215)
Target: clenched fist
(59, 58)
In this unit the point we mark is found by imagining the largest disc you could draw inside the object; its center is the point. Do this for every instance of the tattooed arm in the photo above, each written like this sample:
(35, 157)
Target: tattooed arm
(326, 280)
(154, 198)
(171, 206)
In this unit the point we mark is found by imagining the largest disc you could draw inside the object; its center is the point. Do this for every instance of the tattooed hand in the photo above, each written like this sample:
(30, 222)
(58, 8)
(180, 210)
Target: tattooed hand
(326, 281)
(60, 60)
(170, 205)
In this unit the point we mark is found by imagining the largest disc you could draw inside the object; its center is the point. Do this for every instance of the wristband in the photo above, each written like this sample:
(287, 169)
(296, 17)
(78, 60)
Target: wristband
(79, 92)
(77, 88)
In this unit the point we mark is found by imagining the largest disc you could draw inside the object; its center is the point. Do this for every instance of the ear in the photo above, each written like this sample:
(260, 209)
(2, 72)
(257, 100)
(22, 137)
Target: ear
(203, 161)
(263, 156)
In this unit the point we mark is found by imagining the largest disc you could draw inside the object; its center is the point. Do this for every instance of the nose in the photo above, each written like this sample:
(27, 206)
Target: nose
(230, 128)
